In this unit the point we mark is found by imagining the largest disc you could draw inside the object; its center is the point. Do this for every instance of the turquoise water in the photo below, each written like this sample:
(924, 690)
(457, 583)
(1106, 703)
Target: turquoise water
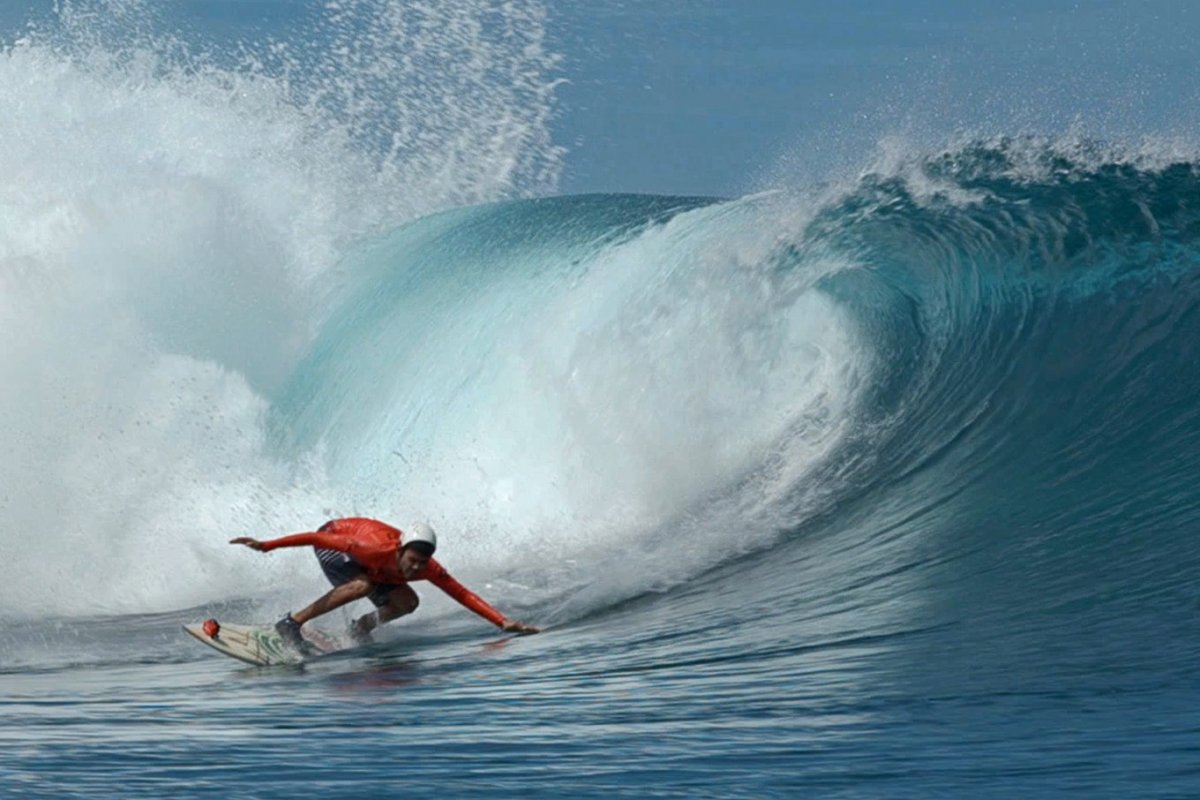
(876, 486)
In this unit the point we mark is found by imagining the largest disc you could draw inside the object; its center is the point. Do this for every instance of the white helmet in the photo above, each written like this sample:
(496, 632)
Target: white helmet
(422, 535)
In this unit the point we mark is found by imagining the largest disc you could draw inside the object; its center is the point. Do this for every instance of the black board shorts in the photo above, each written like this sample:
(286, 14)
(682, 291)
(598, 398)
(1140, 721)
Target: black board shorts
(339, 568)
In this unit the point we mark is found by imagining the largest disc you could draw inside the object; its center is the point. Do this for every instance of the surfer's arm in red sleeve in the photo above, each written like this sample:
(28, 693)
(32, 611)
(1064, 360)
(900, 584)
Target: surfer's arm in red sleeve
(327, 541)
(438, 576)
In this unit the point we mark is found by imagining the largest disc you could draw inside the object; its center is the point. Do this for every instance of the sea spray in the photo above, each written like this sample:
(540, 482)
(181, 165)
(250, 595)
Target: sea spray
(174, 220)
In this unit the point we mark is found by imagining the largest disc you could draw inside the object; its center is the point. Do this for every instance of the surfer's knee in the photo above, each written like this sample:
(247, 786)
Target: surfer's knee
(401, 600)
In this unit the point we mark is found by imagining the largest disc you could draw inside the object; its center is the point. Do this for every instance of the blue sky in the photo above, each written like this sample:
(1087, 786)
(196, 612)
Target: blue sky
(714, 95)
(721, 97)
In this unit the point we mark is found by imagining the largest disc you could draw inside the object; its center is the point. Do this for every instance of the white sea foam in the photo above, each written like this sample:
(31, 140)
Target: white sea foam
(171, 221)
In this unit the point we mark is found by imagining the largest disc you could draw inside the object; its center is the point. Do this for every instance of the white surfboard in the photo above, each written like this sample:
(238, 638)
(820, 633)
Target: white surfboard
(260, 645)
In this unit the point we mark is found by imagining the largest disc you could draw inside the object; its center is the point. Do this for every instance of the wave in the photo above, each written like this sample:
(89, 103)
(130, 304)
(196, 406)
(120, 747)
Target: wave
(987, 348)
(980, 357)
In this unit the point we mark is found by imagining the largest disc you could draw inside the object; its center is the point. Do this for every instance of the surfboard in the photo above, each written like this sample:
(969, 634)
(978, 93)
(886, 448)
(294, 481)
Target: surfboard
(260, 645)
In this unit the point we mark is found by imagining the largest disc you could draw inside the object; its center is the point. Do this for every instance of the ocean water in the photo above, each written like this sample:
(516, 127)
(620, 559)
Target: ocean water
(876, 485)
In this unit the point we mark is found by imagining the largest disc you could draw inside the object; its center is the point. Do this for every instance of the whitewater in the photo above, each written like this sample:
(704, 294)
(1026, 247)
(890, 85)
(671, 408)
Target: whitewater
(879, 486)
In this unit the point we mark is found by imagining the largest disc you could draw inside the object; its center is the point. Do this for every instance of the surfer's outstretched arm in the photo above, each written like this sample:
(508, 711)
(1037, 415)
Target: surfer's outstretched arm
(440, 578)
(326, 541)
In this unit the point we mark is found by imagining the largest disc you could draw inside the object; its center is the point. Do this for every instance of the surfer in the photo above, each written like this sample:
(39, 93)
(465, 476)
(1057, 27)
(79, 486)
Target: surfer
(367, 558)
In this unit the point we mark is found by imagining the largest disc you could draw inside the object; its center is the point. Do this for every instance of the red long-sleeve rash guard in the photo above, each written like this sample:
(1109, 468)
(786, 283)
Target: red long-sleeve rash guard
(374, 545)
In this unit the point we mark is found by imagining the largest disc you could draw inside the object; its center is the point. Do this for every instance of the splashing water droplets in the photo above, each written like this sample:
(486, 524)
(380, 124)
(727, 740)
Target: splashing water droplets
(175, 218)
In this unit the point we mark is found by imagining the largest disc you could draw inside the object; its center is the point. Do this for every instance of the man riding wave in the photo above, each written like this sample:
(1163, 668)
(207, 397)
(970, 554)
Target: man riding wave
(367, 558)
